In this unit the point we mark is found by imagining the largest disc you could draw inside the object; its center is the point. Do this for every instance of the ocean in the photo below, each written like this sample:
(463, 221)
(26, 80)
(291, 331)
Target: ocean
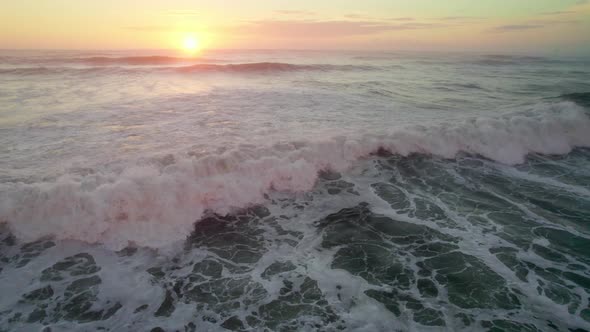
(294, 191)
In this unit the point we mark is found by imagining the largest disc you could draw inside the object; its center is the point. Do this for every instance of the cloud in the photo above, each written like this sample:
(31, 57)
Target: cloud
(552, 21)
(460, 18)
(356, 16)
(516, 27)
(294, 12)
(561, 12)
(371, 18)
(531, 24)
(417, 25)
(325, 29)
(576, 8)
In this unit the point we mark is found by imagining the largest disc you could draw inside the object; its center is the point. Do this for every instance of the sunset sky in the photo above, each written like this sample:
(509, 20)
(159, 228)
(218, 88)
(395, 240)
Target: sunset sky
(484, 25)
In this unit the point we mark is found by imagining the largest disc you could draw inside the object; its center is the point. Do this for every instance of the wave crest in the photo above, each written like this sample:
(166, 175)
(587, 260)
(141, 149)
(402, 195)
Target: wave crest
(155, 205)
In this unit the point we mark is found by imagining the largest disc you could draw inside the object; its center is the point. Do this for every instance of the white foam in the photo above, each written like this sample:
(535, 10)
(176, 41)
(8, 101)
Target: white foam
(155, 205)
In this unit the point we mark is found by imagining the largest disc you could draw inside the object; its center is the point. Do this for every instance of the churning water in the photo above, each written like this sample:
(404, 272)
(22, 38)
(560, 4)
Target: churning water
(294, 191)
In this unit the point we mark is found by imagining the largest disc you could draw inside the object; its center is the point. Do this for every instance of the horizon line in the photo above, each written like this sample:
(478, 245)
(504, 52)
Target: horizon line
(519, 52)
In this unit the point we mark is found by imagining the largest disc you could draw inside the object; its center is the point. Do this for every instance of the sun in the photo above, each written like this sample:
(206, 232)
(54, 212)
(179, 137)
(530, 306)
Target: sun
(191, 44)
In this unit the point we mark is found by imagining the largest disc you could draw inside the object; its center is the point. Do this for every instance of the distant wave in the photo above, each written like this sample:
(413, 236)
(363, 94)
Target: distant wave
(156, 204)
(453, 87)
(500, 60)
(29, 71)
(581, 98)
(268, 66)
(201, 67)
(142, 60)
(514, 57)
(385, 56)
(104, 60)
(246, 67)
(468, 86)
(25, 71)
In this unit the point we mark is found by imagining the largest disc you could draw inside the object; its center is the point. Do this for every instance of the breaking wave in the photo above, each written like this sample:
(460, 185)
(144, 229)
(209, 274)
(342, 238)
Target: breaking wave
(156, 204)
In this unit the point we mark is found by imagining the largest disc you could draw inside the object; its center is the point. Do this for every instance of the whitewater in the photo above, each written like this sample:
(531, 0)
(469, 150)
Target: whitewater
(294, 190)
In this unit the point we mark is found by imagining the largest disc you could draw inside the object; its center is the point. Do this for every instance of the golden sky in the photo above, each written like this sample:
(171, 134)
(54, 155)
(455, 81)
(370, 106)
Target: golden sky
(483, 25)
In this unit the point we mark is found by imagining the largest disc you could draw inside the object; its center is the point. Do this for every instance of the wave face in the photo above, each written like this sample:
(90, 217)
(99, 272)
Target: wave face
(140, 190)
(581, 98)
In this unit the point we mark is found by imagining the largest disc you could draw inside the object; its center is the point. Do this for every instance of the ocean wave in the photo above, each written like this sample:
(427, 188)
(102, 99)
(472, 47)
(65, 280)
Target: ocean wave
(141, 60)
(453, 87)
(514, 57)
(580, 98)
(156, 204)
(268, 67)
(43, 70)
(24, 71)
(260, 67)
(256, 67)
(504, 59)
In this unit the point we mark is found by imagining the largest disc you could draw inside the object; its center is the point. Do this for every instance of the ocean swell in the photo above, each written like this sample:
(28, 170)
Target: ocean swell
(119, 67)
(580, 98)
(156, 205)
(266, 67)
(141, 60)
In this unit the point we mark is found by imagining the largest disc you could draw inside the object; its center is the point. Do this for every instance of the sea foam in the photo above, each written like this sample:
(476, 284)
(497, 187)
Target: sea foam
(156, 205)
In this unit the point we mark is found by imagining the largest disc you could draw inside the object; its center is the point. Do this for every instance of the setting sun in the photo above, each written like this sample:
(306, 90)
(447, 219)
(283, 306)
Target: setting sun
(191, 44)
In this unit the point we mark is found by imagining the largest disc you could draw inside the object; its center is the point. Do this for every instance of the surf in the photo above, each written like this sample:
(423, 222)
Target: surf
(156, 204)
